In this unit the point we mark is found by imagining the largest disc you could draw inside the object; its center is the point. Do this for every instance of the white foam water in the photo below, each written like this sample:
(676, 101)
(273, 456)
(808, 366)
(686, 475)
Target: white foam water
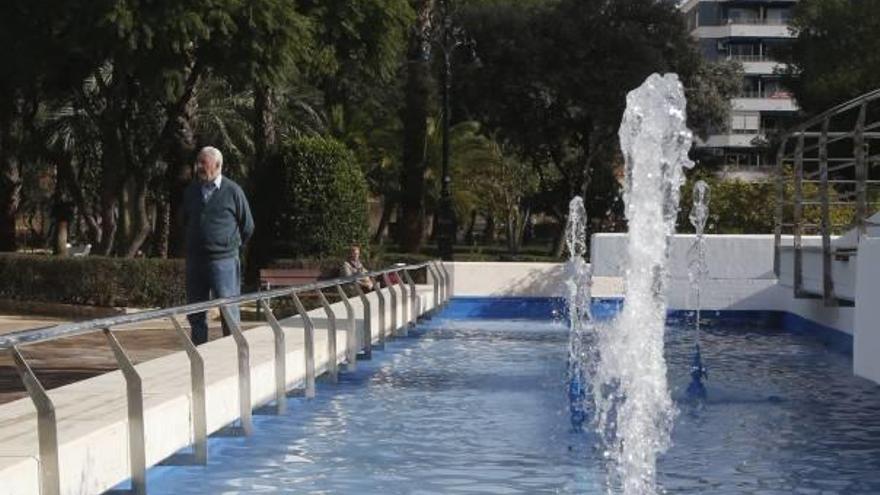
(634, 410)
(579, 287)
(697, 266)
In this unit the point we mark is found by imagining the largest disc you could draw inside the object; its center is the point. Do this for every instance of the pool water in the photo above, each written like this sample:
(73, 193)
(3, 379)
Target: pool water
(479, 406)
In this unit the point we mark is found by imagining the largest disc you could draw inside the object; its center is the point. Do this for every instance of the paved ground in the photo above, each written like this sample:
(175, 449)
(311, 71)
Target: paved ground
(72, 359)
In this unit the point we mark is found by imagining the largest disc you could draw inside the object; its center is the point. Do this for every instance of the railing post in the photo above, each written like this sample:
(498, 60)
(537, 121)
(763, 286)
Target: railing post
(197, 385)
(135, 394)
(442, 283)
(280, 357)
(332, 355)
(827, 275)
(382, 321)
(861, 171)
(406, 303)
(436, 282)
(413, 298)
(244, 370)
(47, 426)
(351, 335)
(367, 335)
(448, 290)
(402, 303)
(309, 343)
(798, 275)
(779, 217)
(393, 292)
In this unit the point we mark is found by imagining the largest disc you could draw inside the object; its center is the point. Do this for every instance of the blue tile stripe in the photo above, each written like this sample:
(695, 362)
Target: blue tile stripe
(550, 308)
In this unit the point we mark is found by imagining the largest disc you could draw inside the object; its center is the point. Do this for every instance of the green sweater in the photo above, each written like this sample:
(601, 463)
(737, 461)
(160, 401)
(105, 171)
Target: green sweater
(215, 230)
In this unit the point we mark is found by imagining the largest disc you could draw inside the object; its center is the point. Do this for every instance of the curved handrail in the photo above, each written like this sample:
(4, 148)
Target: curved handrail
(43, 334)
(843, 107)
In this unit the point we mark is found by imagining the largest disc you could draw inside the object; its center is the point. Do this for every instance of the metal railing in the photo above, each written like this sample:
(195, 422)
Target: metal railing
(750, 57)
(47, 427)
(826, 162)
(756, 21)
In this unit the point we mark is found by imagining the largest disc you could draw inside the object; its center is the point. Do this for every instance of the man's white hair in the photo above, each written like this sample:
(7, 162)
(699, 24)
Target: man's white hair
(213, 153)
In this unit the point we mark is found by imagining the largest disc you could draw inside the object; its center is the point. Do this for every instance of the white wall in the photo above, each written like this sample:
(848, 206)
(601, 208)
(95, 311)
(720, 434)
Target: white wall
(503, 279)
(507, 279)
(727, 256)
(866, 344)
(740, 276)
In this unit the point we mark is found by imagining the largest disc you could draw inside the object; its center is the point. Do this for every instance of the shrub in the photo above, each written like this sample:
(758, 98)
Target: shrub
(318, 197)
(93, 280)
(740, 207)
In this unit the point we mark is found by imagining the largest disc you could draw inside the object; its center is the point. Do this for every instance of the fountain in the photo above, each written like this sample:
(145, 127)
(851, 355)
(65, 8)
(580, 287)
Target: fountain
(634, 410)
(578, 306)
(697, 270)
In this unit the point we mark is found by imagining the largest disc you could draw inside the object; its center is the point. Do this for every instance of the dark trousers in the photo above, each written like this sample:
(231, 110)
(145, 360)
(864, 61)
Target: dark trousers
(210, 279)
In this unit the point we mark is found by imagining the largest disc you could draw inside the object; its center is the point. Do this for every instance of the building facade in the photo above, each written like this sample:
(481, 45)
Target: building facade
(751, 32)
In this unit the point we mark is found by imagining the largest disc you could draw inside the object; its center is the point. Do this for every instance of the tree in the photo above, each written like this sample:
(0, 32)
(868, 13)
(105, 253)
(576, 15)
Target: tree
(709, 93)
(35, 63)
(553, 82)
(836, 55)
(319, 198)
(417, 97)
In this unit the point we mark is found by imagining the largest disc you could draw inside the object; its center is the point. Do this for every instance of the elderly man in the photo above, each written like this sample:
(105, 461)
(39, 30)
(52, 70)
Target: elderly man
(218, 222)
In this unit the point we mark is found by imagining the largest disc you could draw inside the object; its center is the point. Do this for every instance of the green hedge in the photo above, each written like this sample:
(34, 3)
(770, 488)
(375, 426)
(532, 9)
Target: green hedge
(93, 280)
(319, 198)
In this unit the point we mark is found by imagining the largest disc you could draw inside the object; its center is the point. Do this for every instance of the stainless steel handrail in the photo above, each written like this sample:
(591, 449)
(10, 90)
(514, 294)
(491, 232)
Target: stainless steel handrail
(47, 428)
(43, 334)
(842, 181)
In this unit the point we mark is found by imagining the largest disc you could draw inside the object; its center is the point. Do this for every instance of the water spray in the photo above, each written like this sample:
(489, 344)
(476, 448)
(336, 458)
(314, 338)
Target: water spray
(634, 409)
(578, 305)
(697, 271)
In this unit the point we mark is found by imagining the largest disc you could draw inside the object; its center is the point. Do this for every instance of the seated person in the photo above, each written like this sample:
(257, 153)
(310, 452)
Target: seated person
(354, 265)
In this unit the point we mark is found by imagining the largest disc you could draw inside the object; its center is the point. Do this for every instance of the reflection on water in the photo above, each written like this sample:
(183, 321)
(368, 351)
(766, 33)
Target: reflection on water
(477, 407)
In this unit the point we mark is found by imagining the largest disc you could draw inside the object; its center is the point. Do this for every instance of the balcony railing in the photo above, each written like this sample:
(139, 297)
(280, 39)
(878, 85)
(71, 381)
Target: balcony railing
(768, 94)
(750, 58)
(752, 21)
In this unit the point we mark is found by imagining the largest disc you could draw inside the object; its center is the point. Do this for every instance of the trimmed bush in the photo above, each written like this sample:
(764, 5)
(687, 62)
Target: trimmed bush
(318, 195)
(740, 207)
(93, 280)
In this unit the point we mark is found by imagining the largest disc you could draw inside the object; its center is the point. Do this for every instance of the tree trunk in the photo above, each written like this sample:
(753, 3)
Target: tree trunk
(559, 240)
(388, 207)
(163, 228)
(124, 219)
(265, 135)
(112, 175)
(489, 232)
(469, 234)
(516, 229)
(60, 237)
(10, 178)
(141, 221)
(68, 177)
(411, 225)
(259, 252)
(181, 156)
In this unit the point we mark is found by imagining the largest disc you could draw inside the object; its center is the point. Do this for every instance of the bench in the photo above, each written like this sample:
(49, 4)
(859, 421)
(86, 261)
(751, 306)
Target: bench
(273, 278)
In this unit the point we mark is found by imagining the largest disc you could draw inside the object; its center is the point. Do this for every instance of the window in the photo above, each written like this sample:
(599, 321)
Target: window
(739, 15)
(745, 123)
(777, 15)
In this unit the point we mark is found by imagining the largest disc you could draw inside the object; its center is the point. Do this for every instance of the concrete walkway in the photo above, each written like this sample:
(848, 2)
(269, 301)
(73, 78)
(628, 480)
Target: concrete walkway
(92, 419)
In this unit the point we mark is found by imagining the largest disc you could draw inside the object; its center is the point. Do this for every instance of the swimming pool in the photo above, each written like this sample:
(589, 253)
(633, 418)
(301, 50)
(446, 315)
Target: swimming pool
(469, 404)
